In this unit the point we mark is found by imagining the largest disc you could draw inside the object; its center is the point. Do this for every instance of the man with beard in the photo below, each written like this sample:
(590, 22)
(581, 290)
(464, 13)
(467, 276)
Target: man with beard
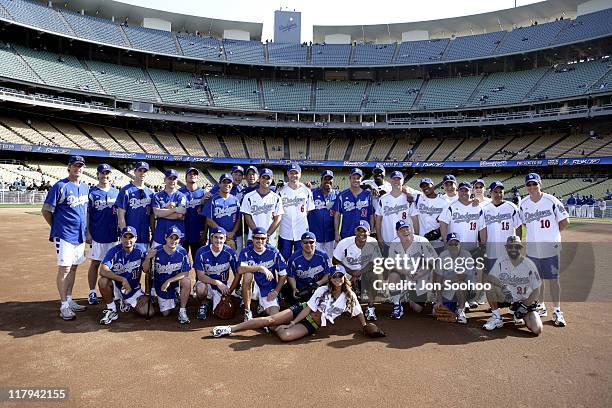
(321, 219)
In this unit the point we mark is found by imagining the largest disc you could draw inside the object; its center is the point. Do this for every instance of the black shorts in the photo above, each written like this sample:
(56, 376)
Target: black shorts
(308, 322)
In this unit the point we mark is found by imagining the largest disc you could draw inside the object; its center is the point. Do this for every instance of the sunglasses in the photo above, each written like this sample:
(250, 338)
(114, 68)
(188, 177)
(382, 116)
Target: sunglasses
(308, 242)
(259, 238)
(337, 275)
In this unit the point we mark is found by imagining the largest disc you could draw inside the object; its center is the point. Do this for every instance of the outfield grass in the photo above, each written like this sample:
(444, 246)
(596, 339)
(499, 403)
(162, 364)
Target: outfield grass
(20, 205)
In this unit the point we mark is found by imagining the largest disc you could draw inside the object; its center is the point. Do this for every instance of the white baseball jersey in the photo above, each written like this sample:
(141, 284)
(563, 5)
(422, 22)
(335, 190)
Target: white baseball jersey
(392, 209)
(501, 221)
(428, 210)
(420, 247)
(262, 209)
(384, 188)
(296, 204)
(465, 220)
(452, 199)
(542, 222)
(484, 201)
(520, 280)
(353, 257)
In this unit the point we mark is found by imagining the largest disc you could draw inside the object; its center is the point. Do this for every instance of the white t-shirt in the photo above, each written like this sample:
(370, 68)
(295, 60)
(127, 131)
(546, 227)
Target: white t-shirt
(262, 209)
(542, 222)
(392, 209)
(323, 301)
(420, 248)
(501, 221)
(484, 201)
(353, 257)
(451, 273)
(465, 220)
(452, 199)
(520, 280)
(296, 204)
(428, 210)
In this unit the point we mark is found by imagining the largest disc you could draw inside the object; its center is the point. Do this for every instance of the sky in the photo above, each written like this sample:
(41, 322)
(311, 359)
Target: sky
(330, 12)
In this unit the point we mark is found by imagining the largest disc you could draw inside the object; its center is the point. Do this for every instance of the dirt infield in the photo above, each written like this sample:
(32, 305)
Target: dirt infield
(420, 363)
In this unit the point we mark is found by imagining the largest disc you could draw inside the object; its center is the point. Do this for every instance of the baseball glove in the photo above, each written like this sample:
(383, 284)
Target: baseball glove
(433, 235)
(444, 314)
(520, 309)
(373, 331)
(226, 309)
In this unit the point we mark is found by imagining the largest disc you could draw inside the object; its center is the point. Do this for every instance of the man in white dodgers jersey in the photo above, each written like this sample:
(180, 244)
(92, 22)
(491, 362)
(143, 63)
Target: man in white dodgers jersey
(449, 183)
(544, 217)
(479, 192)
(428, 207)
(263, 208)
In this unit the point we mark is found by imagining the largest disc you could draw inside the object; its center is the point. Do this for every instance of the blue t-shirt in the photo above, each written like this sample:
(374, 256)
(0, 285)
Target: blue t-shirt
(271, 259)
(353, 209)
(307, 271)
(167, 266)
(194, 221)
(137, 205)
(321, 219)
(161, 200)
(216, 266)
(103, 214)
(126, 265)
(68, 203)
(224, 211)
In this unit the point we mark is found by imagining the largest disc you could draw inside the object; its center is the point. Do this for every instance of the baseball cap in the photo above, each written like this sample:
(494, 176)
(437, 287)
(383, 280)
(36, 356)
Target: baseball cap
(464, 184)
(453, 236)
(173, 231)
(238, 168)
(356, 171)
(260, 231)
(533, 177)
(76, 160)
(267, 172)
(225, 176)
(379, 168)
(334, 269)
(218, 230)
(129, 230)
(192, 169)
(449, 177)
(402, 224)
(142, 165)
(397, 174)
(294, 167)
(481, 181)
(496, 184)
(327, 173)
(253, 169)
(514, 240)
(363, 224)
(426, 180)
(171, 173)
(103, 167)
(309, 235)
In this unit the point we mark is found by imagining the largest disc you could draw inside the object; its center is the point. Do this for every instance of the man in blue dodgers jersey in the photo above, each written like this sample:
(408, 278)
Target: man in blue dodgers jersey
(223, 210)
(195, 228)
(134, 206)
(102, 225)
(263, 207)
(428, 206)
(571, 205)
(120, 273)
(213, 264)
(169, 207)
(171, 274)
(321, 219)
(308, 267)
(263, 264)
(544, 217)
(65, 210)
(352, 206)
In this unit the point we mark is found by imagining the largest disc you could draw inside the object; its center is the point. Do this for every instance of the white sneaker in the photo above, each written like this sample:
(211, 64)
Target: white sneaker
(518, 322)
(183, 318)
(248, 315)
(558, 319)
(260, 310)
(108, 316)
(66, 313)
(75, 307)
(124, 306)
(541, 309)
(461, 318)
(220, 331)
(370, 313)
(493, 323)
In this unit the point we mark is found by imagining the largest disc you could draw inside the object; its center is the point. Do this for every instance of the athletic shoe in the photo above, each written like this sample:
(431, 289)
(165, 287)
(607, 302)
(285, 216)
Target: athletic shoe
(75, 307)
(493, 323)
(260, 309)
(473, 304)
(370, 313)
(220, 331)
(202, 312)
(461, 319)
(108, 316)
(517, 322)
(183, 318)
(66, 313)
(248, 315)
(558, 319)
(541, 309)
(398, 312)
(124, 306)
(92, 299)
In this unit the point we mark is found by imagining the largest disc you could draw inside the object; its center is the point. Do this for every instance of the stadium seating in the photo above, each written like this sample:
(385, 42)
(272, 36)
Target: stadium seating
(391, 96)
(447, 93)
(233, 92)
(212, 145)
(146, 141)
(318, 148)
(13, 66)
(287, 54)
(123, 81)
(125, 140)
(11, 172)
(502, 88)
(95, 29)
(74, 134)
(373, 54)
(424, 149)
(530, 38)
(401, 148)
(51, 133)
(466, 148)
(381, 148)
(58, 171)
(339, 96)
(286, 95)
(179, 87)
(425, 51)
(330, 54)
(474, 46)
(191, 144)
(36, 15)
(276, 147)
(25, 132)
(361, 148)
(169, 142)
(205, 48)
(445, 149)
(248, 52)
(156, 41)
(586, 26)
(234, 145)
(255, 147)
(298, 147)
(7, 135)
(337, 148)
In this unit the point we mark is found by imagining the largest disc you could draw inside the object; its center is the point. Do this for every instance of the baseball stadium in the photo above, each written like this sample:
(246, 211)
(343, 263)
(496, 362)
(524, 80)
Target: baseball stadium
(226, 219)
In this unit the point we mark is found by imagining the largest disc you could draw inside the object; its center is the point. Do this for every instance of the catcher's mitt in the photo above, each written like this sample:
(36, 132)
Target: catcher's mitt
(373, 331)
(433, 235)
(444, 314)
(227, 308)
(231, 243)
(520, 309)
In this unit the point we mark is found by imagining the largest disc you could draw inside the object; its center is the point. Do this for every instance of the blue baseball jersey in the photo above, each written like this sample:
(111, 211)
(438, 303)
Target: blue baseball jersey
(271, 259)
(103, 214)
(68, 203)
(224, 211)
(353, 209)
(571, 201)
(216, 266)
(194, 220)
(237, 191)
(137, 205)
(307, 271)
(169, 265)
(161, 200)
(126, 265)
(321, 219)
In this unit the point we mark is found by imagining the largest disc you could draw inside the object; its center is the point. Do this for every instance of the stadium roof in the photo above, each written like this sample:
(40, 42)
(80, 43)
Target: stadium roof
(180, 22)
(507, 19)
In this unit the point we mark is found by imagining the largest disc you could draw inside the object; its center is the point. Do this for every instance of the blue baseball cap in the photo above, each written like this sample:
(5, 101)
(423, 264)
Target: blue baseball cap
(356, 171)
(103, 167)
(141, 165)
(76, 160)
(464, 184)
(129, 230)
(426, 180)
(173, 231)
(309, 235)
(218, 230)
(266, 172)
(481, 181)
(453, 236)
(449, 177)
(533, 177)
(260, 231)
(253, 169)
(363, 224)
(379, 167)
(191, 170)
(225, 176)
(294, 167)
(171, 173)
(238, 168)
(397, 174)
(327, 173)
(402, 224)
(496, 184)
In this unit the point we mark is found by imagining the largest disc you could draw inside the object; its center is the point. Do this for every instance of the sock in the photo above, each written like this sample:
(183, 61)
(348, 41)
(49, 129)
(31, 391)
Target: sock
(68, 299)
(92, 291)
(65, 304)
(182, 309)
(496, 313)
(557, 309)
(395, 299)
(111, 306)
